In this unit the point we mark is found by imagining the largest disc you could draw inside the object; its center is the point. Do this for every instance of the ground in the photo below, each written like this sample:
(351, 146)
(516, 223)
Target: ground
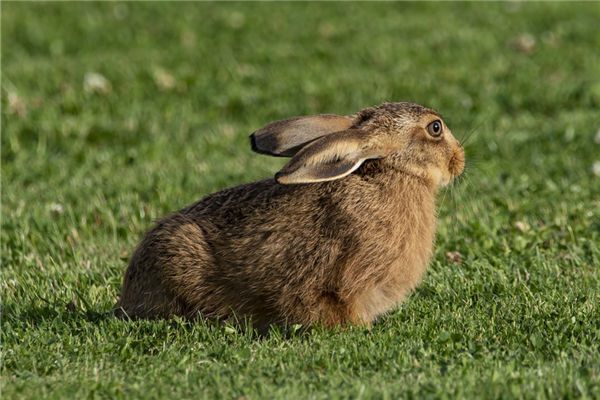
(114, 114)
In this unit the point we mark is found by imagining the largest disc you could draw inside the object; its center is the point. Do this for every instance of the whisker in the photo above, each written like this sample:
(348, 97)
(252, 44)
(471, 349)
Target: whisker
(460, 190)
(443, 197)
(466, 138)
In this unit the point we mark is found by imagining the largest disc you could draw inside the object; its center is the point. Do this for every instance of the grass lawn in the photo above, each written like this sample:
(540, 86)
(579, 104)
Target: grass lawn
(114, 114)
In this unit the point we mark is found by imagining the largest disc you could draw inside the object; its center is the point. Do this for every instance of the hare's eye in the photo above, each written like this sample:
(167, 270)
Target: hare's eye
(435, 128)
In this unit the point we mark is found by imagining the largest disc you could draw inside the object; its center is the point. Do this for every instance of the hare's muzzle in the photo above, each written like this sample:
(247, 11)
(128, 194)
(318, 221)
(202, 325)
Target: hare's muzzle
(456, 166)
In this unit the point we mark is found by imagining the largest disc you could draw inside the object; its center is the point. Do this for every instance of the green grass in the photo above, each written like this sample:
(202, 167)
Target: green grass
(84, 173)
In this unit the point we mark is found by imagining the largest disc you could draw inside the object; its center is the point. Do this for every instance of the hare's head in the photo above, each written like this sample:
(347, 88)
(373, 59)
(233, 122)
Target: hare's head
(407, 137)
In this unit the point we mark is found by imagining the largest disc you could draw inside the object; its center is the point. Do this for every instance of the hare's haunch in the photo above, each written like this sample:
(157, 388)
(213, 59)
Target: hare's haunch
(341, 234)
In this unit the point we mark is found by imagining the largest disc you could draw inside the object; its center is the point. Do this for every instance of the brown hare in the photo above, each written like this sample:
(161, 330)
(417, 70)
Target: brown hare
(341, 234)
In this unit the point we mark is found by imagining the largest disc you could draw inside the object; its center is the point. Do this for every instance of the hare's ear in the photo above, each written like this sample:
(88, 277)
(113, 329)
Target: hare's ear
(330, 157)
(284, 138)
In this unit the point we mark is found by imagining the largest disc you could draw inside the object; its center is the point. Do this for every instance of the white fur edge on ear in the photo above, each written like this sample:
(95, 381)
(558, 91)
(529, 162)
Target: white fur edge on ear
(288, 179)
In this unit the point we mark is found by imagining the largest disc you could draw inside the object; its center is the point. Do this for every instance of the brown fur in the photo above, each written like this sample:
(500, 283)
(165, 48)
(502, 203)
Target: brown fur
(332, 252)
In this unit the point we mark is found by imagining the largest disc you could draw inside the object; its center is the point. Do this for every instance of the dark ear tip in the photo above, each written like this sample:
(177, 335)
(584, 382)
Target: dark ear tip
(278, 176)
(267, 144)
(253, 142)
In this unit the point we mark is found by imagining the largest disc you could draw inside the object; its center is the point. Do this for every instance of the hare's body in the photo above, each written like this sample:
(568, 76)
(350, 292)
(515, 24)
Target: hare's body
(334, 252)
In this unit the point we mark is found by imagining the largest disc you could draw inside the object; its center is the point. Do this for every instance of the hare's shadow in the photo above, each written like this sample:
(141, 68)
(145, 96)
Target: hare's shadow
(36, 315)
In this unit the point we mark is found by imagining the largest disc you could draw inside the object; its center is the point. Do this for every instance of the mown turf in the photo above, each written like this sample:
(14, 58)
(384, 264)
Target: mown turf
(86, 169)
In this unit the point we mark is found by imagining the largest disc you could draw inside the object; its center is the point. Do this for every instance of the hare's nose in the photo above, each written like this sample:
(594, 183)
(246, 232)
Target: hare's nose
(457, 161)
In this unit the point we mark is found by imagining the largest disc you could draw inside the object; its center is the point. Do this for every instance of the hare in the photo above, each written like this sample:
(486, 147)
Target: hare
(340, 236)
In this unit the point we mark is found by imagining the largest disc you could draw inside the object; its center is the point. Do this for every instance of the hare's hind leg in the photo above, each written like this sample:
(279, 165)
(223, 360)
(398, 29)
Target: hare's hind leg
(166, 274)
(144, 294)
